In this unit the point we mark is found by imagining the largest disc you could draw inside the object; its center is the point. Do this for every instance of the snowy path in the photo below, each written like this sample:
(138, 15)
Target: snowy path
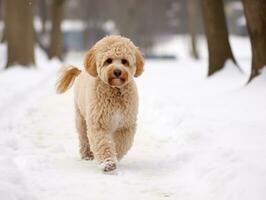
(50, 162)
(196, 139)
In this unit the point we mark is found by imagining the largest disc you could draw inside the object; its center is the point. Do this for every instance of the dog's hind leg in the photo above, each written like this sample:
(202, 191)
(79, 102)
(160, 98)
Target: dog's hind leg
(85, 151)
(123, 139)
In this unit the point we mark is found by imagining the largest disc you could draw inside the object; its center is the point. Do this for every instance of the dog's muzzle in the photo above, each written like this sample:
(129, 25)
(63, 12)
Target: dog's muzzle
(117, 77)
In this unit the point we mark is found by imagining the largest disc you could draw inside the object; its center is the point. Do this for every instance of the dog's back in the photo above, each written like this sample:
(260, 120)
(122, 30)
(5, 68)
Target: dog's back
(83, 88)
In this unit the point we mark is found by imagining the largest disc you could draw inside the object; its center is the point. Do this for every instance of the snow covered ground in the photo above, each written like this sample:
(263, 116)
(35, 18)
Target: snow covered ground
(197, 138)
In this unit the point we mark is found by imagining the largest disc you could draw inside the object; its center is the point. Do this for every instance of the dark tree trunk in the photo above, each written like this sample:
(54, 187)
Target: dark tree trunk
(255, 12)
(217, 35)
(40, 37)
(3, 39)
(19, 32)
(55, 48)
(192, 19)
(42, 9)
(3, 35)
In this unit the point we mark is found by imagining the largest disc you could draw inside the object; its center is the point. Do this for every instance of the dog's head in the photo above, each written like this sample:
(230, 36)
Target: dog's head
(115, 60)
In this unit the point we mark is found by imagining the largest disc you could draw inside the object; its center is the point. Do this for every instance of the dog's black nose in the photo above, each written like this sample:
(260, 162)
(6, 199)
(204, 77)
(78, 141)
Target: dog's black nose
(117, 73)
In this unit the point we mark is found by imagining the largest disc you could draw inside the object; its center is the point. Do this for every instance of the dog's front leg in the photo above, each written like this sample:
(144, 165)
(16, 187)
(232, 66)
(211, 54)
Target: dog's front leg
(103, 148)
(123, 139)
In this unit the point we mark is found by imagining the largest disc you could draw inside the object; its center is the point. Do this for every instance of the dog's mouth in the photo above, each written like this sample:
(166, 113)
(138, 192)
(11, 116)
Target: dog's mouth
(117, 81)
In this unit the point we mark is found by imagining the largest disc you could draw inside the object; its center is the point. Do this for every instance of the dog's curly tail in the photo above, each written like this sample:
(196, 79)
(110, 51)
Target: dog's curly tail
(66, 78)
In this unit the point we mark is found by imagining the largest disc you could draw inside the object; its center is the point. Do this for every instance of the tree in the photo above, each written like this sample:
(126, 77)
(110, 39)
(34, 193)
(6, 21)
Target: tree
(256, 24)
(217, 35)
(19, 32)
(42, 10)
(192, 18)
(3, 37)
(55, 48)
(41, 37)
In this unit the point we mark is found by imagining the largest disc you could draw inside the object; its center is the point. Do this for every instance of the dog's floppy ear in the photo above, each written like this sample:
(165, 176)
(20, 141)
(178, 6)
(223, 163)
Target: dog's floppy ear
(90, 62)
(139, 63)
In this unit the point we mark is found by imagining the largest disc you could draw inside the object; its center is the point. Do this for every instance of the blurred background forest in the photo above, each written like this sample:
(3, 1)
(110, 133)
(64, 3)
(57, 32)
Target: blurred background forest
(61, 26)
(83, 22)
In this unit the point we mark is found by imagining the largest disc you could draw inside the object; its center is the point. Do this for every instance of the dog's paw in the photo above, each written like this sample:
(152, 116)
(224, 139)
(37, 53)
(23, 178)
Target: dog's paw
(108, 165)
(88, 156)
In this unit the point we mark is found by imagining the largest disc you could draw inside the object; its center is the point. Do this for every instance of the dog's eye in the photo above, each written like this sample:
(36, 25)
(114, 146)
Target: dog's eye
(109, 60)
(125, 62)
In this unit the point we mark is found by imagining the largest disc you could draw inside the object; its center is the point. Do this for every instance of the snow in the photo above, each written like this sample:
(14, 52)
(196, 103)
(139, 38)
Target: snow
(241, 21)
(17, 85)
(67, 25)
(3, 54)
(73, 25)
(236, 6)
(197, 138)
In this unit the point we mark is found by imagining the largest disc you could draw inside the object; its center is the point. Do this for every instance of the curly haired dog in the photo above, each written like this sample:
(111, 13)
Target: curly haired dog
(106, 99)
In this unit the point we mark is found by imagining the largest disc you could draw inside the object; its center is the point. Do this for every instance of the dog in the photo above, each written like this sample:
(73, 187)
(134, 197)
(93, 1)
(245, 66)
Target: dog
(106, 99)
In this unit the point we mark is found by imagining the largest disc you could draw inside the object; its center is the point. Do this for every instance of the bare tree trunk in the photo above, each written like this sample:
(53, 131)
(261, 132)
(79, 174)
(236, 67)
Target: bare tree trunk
(217, 34)
(1, 10)
(42, 9)
(256, 24)
(55, 49)
(19, 32)
(192, 18)
(3, 38)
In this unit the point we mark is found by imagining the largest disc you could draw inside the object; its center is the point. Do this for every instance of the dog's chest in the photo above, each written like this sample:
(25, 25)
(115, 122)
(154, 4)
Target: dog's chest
(117, 119)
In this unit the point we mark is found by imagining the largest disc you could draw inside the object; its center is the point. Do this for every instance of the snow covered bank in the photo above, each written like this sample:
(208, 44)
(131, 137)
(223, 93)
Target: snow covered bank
(20, 89)
(211, 132)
